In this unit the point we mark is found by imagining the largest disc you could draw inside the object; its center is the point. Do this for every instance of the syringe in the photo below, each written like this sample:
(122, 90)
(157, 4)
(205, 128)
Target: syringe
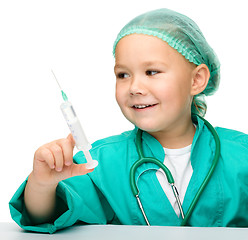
(77, 132)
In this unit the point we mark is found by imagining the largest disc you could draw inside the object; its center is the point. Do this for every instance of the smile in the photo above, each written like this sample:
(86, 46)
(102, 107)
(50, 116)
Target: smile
(143, 106)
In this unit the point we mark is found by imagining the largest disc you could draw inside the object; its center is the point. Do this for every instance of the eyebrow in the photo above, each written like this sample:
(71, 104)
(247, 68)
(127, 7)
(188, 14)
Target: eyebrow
(118, 66)
(145, 64)
(150, 63)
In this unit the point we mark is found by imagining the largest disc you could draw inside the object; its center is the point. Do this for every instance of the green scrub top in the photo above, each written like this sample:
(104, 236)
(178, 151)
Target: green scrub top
(104, 196)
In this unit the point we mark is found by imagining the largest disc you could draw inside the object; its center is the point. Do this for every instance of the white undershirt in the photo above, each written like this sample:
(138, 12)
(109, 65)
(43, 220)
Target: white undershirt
(178, 162)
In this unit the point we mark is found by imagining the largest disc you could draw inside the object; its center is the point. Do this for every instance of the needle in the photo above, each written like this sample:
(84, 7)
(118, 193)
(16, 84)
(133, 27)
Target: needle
(63, 94)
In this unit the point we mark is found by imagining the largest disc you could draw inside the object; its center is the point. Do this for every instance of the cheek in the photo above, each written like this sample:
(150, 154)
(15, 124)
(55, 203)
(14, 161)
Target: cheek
(183, 100)
(164, 91)
(119, 94)
(172, 94)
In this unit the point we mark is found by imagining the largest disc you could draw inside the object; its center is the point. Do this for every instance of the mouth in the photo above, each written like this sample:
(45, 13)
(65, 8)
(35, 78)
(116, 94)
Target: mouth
(143, 106)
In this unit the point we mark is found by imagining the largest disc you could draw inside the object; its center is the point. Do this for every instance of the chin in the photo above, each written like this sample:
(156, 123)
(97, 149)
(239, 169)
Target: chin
(148, 124)
(147, 127)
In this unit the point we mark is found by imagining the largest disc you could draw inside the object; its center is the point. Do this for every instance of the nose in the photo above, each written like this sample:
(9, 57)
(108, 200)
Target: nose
(137, 87)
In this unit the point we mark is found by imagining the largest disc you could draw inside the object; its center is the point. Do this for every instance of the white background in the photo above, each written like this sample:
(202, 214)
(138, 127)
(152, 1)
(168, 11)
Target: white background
(75, 38)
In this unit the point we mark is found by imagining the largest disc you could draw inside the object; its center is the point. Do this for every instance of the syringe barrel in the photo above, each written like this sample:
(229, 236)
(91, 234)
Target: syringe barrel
(75, 127)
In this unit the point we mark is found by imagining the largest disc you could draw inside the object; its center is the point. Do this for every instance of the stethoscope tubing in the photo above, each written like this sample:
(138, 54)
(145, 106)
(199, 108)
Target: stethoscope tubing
(170, 179)
(209, 174)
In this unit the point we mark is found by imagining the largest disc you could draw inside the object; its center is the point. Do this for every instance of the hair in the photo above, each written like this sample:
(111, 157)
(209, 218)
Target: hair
(199, 105)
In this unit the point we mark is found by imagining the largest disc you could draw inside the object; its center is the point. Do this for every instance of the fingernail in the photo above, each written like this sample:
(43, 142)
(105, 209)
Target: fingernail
(67, 163)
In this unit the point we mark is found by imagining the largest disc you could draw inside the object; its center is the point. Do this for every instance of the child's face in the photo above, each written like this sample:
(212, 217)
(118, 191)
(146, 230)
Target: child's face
(153, 83)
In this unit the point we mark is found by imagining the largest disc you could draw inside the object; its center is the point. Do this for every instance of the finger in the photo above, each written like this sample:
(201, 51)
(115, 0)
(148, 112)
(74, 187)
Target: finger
(58, 156)
(67, 149)
(80, 169)
(44, 154)
(71, 139)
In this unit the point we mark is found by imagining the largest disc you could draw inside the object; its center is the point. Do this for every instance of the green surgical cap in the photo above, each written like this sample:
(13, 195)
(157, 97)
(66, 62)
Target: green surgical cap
(181, 33)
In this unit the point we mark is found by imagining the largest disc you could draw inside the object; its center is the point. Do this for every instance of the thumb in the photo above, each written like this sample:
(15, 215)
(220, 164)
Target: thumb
(80, 169)
(71, 139)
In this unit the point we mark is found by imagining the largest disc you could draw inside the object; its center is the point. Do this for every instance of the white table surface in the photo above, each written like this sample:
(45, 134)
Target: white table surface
(11, 231)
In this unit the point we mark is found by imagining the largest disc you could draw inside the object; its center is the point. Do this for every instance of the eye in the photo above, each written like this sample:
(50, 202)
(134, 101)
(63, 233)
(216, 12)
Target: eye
(151, 72)
(122, 75)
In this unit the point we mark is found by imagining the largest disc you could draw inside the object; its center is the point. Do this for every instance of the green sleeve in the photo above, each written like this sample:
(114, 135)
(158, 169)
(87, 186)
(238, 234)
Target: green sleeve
(78, 199)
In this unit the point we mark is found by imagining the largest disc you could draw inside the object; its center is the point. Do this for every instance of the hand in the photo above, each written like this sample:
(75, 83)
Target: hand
(53, 162)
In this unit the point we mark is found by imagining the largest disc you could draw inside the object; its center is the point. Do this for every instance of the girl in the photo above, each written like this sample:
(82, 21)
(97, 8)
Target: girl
(164, 67)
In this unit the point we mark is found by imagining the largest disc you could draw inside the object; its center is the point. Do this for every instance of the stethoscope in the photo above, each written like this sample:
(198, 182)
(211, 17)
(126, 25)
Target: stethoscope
(143, 159)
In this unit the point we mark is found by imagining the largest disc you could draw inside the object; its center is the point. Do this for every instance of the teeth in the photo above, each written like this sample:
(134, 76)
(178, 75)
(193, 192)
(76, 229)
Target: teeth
(141, 106)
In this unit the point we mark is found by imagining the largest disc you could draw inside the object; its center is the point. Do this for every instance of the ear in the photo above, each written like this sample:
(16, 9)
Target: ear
(200, 79)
